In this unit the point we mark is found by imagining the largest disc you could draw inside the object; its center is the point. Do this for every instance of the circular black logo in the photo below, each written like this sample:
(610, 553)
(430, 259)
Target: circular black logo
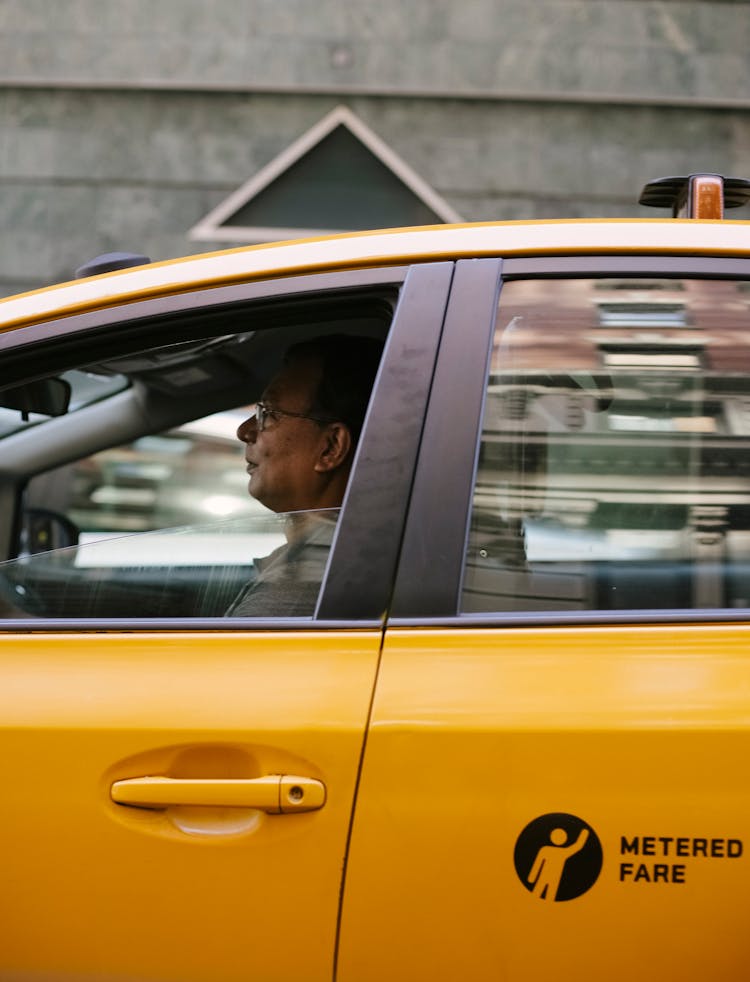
(558, 857)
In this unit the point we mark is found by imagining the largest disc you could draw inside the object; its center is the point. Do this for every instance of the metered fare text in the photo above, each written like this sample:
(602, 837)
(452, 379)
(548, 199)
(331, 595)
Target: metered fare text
(666, 851)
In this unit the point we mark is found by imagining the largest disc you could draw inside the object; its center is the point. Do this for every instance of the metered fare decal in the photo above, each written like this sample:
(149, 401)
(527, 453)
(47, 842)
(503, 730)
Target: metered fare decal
(559, 857)
(666, 858)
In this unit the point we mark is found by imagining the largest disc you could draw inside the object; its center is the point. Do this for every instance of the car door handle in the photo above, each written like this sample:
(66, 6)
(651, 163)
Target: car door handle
(274, 793)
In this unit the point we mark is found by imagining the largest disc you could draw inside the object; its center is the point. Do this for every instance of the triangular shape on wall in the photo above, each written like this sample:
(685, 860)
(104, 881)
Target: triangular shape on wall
(339, 176)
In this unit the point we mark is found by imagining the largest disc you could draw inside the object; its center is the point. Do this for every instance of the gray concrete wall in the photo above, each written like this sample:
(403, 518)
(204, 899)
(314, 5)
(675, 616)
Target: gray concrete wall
(122, 124)
(635, 48)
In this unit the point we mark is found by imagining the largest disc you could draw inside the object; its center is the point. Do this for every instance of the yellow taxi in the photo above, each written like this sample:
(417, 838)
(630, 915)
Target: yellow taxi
(508, 738)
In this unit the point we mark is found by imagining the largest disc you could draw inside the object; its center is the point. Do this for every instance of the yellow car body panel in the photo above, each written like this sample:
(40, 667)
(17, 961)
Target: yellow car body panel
(372, 249)
(445, 773)
(180, 892)
(642, 732)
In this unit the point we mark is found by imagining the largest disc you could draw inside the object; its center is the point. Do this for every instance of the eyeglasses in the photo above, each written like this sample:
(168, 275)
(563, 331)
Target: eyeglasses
(262, 412)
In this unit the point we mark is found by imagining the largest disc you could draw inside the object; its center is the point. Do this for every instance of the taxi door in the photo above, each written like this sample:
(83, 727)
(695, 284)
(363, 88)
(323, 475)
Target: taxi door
(554, 782)
(176, 805)
(177, 796)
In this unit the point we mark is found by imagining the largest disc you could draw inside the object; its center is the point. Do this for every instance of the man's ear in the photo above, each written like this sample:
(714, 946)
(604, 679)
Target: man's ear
(336, 448)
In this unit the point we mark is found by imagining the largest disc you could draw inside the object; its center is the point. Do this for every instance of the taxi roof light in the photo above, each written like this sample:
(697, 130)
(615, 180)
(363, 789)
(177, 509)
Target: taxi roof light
(697, 195)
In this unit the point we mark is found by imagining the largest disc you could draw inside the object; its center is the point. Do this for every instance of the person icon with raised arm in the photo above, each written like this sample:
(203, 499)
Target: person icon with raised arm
(547, 869)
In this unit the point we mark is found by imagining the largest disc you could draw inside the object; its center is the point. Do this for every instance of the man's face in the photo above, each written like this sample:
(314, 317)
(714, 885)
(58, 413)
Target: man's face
(281, 459)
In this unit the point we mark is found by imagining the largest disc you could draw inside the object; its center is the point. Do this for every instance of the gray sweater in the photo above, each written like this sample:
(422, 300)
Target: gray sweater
(288, 580)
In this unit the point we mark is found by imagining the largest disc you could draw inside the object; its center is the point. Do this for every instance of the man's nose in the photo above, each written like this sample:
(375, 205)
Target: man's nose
(247, 431)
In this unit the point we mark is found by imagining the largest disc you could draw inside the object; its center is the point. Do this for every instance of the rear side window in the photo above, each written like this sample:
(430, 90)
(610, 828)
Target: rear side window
(614, 470)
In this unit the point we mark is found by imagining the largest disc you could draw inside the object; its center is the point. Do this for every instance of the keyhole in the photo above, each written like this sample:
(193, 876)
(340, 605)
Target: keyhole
(296, 793)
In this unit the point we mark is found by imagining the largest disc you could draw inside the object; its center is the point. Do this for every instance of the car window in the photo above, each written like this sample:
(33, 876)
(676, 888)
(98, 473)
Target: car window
(613, 469)
(253, 566)
(150, 444)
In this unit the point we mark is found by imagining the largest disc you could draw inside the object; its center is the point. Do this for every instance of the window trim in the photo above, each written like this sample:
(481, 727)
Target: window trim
(596, 267)
(555, 618)
(367, 542)
(65, 337)
(426, 583)
(180, 625)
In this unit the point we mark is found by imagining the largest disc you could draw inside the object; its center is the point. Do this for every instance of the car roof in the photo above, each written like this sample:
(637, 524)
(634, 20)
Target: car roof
(389, 247)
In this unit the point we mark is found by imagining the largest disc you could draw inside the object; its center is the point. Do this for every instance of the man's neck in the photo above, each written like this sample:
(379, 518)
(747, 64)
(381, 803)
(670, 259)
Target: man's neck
(300, 524)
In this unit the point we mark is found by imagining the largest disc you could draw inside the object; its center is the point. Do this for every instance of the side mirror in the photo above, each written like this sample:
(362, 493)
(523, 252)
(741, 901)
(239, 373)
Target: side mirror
(47, 396)
(42, 530)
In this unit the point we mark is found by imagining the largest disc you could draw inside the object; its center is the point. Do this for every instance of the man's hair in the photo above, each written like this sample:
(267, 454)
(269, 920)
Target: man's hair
(349, 365)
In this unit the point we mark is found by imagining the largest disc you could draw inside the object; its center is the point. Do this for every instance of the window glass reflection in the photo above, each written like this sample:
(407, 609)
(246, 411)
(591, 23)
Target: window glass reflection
(253, 566)
(614, 470)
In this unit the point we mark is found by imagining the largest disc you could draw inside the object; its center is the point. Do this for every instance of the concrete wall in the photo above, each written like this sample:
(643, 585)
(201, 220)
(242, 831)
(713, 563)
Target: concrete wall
(122, 124)
(605, 47)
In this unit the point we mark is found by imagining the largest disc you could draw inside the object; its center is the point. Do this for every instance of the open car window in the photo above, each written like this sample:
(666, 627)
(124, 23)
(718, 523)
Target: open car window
(261, 566)
(148, 441)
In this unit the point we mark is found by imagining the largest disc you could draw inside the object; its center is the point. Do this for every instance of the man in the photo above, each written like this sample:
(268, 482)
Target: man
(299, 447)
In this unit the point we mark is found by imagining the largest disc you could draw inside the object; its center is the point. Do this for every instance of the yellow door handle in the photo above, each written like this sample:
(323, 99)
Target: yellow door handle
(275, 793)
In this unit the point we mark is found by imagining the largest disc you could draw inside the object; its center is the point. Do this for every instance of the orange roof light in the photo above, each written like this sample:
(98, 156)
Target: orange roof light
(706, 195)
(696, 196)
